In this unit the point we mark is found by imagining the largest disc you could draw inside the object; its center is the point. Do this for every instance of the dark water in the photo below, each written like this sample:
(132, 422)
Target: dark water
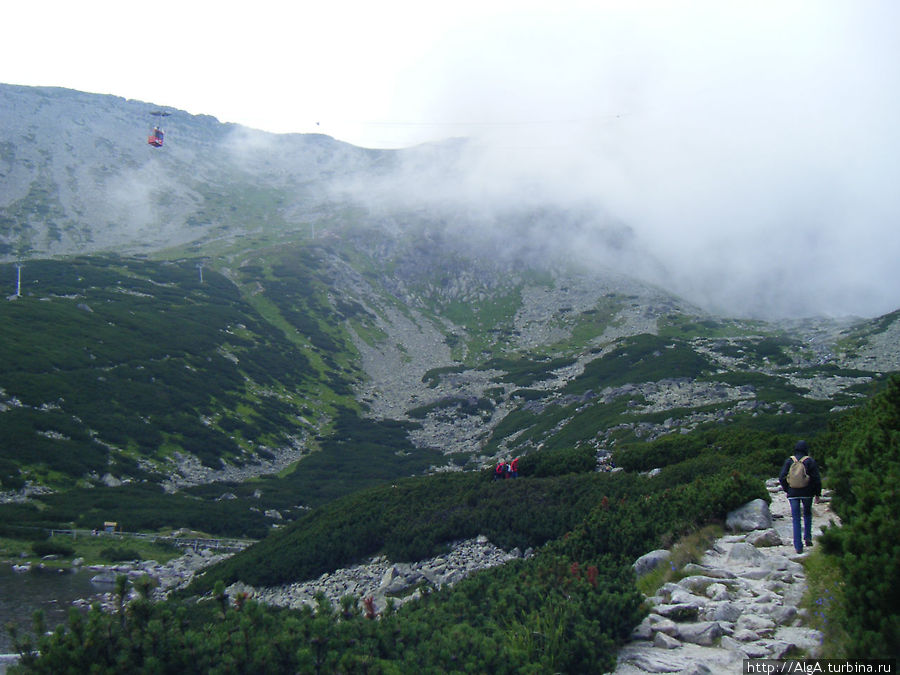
(21, 593)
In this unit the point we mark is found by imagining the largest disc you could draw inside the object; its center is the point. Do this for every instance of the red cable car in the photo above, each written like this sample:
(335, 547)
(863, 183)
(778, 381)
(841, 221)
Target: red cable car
(157, 135)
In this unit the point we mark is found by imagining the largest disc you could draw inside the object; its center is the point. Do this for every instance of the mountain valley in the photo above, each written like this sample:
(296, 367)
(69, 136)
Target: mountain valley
(214, 311)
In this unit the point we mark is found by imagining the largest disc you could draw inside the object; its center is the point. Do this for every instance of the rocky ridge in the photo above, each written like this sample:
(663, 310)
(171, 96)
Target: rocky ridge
(741, 601)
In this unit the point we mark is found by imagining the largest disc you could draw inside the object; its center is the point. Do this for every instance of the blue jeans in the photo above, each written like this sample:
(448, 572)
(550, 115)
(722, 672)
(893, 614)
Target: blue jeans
(806, 504)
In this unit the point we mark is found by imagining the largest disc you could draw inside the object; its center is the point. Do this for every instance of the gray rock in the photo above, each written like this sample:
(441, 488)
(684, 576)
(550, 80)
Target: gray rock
(398, 585)
(698, 583)
(743, 553)
(765, 596)
(757, 650)
(389, 576)
(764, 538)
(104, 578)
(754, 515)
(717, 591)
(784, 614)
(703, 570)
(701, 633)
(663, 641)
(726, 611)
(729, 643)
(681, 596)
(679, 612)
(699, 669)
(643, 631)
(756, 573)
(663, 625)
(779, 649)
(750, 608)
(654, 662)
(650, 561)
(758, 624)
(806, 639)
(744, 635)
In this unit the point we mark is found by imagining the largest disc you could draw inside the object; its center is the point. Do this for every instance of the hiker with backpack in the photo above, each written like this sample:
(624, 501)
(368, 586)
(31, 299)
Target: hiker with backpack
(801, 481)
(514, 468)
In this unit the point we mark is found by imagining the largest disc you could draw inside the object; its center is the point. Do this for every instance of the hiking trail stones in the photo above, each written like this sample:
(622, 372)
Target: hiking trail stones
(741, 601)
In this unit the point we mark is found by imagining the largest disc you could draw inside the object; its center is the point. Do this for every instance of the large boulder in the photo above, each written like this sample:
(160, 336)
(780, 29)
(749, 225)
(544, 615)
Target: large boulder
(754, 515)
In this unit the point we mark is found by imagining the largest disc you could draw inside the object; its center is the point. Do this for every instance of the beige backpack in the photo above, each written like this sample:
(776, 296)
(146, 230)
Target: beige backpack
(797, 476)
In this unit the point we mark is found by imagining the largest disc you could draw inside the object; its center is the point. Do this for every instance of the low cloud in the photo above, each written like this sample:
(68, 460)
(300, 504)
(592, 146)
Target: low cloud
(746, 159)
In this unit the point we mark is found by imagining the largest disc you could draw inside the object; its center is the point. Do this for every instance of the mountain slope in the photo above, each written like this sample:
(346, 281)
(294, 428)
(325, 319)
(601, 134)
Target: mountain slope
(269, 298)
(78, 176)
(111, 365)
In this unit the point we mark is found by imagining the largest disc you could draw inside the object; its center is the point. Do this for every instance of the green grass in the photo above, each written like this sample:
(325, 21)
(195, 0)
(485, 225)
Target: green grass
(90, 548)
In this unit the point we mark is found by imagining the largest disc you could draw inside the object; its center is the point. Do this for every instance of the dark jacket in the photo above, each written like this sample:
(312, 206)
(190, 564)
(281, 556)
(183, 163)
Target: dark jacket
(813, 488)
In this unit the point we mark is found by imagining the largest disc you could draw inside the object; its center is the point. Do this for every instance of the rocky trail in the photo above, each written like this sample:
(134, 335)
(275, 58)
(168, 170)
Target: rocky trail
(741, 601)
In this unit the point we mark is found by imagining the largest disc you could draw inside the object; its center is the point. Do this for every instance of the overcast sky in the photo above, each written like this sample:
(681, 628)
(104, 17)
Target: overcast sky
(752, 146)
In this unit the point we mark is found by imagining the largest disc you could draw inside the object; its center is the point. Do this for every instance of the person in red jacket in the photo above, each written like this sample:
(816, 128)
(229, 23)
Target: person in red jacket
(514, 468)
(500, 470)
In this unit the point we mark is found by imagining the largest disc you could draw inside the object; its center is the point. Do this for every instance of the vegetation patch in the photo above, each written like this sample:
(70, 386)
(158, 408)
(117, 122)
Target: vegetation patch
(862, 456)
(641, 358)
(433, 376)
(825, 603)
(526, 371)
(457, 405)
(136, 371)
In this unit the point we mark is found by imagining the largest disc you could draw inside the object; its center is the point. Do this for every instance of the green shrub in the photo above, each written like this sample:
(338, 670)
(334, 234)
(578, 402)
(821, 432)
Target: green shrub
(546, 463)
(119, 553)
(864, 471)
(52, 547)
